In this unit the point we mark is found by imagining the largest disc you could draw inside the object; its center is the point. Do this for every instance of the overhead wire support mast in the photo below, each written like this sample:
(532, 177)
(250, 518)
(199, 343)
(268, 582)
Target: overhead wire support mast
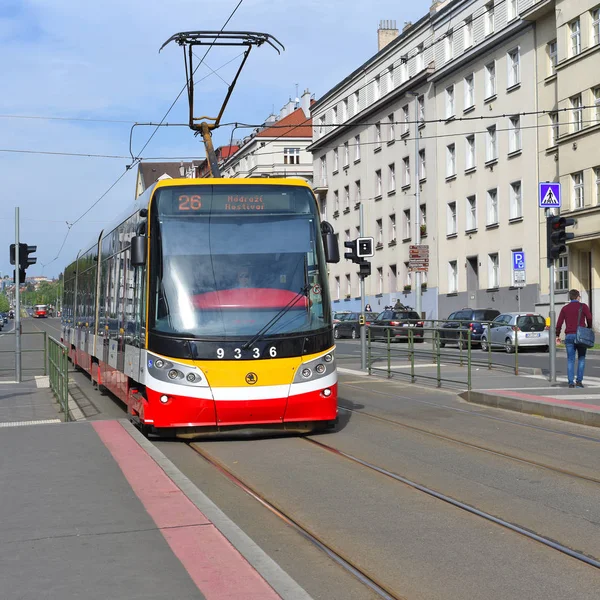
(190, 39)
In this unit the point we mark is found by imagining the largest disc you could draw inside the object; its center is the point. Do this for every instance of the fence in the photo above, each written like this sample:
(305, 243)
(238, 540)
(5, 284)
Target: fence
(58, 356)
(30, 346)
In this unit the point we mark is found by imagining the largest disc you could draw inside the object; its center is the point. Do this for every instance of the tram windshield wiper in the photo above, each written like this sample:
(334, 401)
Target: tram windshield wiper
(260, 334)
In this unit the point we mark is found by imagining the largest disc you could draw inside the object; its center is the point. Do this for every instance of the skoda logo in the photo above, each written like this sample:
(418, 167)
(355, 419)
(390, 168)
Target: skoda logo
(251, 378)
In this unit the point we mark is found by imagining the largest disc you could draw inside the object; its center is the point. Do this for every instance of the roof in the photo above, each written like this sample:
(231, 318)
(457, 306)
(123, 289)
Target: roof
(225, 152)
(150, 172)
(293, 125)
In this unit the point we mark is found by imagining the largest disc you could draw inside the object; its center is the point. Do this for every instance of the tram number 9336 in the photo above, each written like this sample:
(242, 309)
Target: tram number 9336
(237, 352)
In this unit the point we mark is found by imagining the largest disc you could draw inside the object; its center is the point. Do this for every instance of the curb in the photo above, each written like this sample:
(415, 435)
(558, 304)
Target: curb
(531, 407)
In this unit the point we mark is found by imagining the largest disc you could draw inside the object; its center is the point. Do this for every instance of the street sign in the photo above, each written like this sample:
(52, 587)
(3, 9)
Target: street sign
(518, 258)
(418, 258)
(549, 196)
(519, 278)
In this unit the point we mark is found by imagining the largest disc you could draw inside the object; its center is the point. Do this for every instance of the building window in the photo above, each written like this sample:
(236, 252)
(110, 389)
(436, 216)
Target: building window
(423, 220)
(348, 286)
(392, 231)
(324, 209)
(577, 105)
(334, 118)
(392, 130)
(336, 201)
(405, 119)
(390, 78)
(490, 80)
(452, 224)
(346, 154)
(492, 207)
(449, 46)
(407, 275)
(291, 156)
(422, 169)
(392, 177)
(405, 171)
(338, 290)
(345, 109)
(378, 189)
(514, 74)
(323, 171)
(596, 92)
(575, 29)
(379, 228)
(357, 147)
(552, 56)
(469, 91)
(513, 9)
(356, 102)
(577, 189)
(421, 105)
(491, 146)
(489, 18)
(493, 271)
(553, 128)
(420, 58)
(377, 135)
(321, 126)
(380, 280)
(595, 26)
(403, 71)
(516, 200)
(450, 160)
(357, 191)
(346, 197)
(597, 178)
(336, 160)
(377, 90)
(452, 277)
(561, 279)
(471, 213)
(449, 102)
(470, 152)
(393, 278)
(514, 134)
(406, 224)
(468, 32)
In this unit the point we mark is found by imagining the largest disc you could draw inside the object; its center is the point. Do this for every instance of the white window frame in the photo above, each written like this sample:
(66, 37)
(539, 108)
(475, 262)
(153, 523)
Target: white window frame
(356, 102)
(575, 35)
(452, 276)
(490, 80)
(514, 134)
(380, 280)
(597, 182)
(469, 90)
(449, 46)
(554, 128)
(338, 287)
(420, 58)
(422, 165)
(450, 160)
(346, 154)
(491, 146)
(452, 219)
(493, 215)
(392, 177)
(552, 55)
(578, 190)
(406, 171)
(512, 9)
(324, 208)
(348, 285)
(450, 102)
(321, 126)
(336, 160)
(346, 197)
(596, 94)
(379, 231)
(405, 119)
(378, 183)
(421, 103)
(334, 115)
(393, 277)
(489, 18)
(291, 156)
(324, 171)
(392, 227)
(336, 201)
(561, 274)
(470, 152)
(377, 135)
(407, 224)
(471, 213)
(392, 129)
(356, 147)
(468, 32)
(493, 270)
(516, 199)
(357, 192)
(377, 88)
(577, 112)
(390, 78)
(345, 109)
(513, 62)
(595, 18)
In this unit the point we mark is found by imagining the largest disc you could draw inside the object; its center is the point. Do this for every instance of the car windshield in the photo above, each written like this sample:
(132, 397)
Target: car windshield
(406, 315)
(220, 272)
(484, 315)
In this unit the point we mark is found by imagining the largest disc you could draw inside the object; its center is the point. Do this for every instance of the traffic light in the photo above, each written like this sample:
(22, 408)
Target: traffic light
(364, 268)
(557, 236)
(352, 255)
(364, 247)
(21, 276)
(12, 254)
(24, 260)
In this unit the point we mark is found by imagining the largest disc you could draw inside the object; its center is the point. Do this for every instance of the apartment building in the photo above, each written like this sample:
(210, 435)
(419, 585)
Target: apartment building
(568, 82)
(365, 156)
(279, 148)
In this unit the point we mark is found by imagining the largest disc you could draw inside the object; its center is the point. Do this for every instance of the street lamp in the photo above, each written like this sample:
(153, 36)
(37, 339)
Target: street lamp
(417, 217)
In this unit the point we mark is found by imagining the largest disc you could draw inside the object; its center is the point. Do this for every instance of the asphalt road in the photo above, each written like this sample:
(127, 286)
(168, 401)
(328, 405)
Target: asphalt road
(541, 475)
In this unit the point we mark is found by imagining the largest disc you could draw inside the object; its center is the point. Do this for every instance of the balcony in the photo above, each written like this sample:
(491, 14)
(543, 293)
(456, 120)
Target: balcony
(320, 186)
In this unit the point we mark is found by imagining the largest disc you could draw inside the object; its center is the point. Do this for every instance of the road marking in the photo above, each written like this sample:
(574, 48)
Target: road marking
(42, 381)
(582, 397)
(25, 423)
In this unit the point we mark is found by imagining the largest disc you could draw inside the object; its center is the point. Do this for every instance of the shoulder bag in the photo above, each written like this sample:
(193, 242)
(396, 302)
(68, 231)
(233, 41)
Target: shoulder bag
(585, 336)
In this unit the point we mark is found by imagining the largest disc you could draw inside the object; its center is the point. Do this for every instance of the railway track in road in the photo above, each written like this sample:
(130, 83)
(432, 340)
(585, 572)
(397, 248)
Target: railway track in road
(335, 554)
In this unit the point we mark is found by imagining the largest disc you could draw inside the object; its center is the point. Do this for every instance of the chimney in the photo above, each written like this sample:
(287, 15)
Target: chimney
(437, 5)
(407, 25)
(305, 103)
(386, 33)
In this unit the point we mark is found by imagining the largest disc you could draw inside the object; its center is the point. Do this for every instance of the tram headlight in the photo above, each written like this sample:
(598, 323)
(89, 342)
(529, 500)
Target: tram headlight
(328, 358)
(306, 373)
(192, 377)
(320, 368)
(159, 363)
(174, 374)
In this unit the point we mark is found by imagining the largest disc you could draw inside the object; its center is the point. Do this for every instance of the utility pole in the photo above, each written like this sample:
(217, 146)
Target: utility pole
(417, 274)
(363, 329)
(17, 300)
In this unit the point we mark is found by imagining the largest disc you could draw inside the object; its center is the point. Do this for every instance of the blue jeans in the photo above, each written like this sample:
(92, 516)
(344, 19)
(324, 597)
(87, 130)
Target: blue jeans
(571, 349)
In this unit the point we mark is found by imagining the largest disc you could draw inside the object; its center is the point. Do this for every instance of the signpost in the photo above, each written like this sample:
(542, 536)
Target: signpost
(549, 195)
(418, 258)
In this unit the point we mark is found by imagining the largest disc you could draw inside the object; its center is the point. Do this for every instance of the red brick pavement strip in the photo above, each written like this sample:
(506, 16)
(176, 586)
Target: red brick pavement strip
(214, 565)
(544, 399)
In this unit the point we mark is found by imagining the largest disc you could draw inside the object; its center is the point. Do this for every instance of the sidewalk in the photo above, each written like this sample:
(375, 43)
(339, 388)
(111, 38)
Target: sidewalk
(94, 510)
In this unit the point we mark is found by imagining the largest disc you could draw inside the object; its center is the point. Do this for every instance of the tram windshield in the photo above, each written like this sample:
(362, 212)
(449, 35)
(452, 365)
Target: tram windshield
(225, 264)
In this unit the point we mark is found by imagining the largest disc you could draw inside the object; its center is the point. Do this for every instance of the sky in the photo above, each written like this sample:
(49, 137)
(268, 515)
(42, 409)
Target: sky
(95, 69)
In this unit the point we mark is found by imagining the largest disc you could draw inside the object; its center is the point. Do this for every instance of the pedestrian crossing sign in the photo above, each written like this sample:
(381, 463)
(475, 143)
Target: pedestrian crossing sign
(549, 196)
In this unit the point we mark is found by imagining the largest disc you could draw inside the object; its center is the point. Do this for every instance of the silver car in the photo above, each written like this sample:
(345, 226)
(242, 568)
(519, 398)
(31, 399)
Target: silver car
(529, 327)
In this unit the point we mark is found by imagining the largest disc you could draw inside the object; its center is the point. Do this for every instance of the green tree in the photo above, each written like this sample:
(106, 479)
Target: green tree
(4, 303)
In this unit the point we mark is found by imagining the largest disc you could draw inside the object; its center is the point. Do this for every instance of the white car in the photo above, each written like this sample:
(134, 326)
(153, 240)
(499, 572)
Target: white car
(530, 329)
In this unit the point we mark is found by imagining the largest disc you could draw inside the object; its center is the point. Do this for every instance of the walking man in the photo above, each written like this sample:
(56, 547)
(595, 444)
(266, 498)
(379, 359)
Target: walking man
(570, 314)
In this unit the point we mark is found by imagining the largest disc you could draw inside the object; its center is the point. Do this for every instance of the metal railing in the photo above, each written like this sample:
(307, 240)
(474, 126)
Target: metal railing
(58, 360)
(26, 340)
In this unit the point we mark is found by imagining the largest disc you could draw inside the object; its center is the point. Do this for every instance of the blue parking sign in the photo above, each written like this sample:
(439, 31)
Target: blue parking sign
(518, 257)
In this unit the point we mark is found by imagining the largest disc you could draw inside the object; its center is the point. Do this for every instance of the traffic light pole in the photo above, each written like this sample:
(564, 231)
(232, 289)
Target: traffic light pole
(552, 332)
(363, 329)
(17, 300)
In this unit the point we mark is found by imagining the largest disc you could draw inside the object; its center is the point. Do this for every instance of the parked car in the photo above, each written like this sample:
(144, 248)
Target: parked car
(475, 319)
(338, 315)
(530, 329)
(397, 323)
(4, 317)
(348, 326)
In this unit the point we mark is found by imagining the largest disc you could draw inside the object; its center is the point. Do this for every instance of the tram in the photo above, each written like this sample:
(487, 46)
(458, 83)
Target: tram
(40, 311)
(206, 308)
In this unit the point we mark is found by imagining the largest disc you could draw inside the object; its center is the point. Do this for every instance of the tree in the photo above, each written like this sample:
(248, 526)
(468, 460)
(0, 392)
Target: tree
(4, 303)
